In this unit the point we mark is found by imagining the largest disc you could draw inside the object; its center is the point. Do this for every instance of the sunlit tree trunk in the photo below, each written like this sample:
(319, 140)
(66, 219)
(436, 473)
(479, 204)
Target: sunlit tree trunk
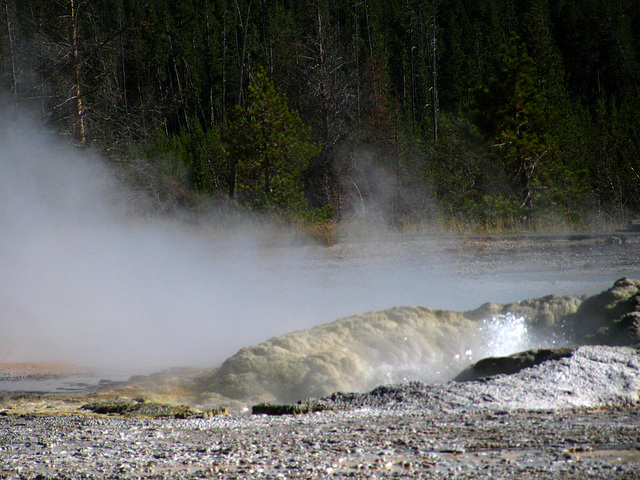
(357, 57)
(224, 63)
(325, 111)
(77, 104)
(241, 45)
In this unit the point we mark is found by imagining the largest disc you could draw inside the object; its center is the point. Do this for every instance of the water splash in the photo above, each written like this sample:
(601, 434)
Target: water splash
(504, 335)
(507, 334)
(496, 336)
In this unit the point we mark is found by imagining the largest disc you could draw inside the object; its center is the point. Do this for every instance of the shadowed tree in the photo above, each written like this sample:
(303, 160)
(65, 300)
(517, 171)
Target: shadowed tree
(512, 114)
(329, 99)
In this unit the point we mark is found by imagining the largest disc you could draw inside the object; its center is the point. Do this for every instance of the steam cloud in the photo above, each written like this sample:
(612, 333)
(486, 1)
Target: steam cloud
(82, 280)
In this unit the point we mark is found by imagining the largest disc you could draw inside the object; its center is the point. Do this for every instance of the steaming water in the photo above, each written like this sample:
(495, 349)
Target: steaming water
(82, 280)
(499, 335)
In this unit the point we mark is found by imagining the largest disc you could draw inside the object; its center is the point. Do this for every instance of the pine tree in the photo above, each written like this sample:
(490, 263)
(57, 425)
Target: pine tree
(269, 147)
(511, 113)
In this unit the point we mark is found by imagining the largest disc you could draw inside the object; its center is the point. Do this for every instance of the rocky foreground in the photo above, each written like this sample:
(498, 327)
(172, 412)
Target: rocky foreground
(362, 443)
(407, 443)
(561, 412)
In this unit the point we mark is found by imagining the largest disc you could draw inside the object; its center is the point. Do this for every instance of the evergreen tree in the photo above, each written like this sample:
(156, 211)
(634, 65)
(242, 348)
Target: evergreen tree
(559, 117)
(269, 148)
(564, 174)
(512, 114)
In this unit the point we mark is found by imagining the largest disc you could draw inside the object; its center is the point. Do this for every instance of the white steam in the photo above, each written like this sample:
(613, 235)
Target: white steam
(83, 280)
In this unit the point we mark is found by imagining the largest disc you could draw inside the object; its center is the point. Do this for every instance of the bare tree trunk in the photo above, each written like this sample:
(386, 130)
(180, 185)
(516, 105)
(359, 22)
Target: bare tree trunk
(224, 63)
(14, 77)
(323, 77)
(242, 53)
(327, 144)
(211, 113)
(366, 12)
(434, 75)
(77, 104)
(357, 55)
(241, 43)
(412, 47)
(123, 66)
(526, 172)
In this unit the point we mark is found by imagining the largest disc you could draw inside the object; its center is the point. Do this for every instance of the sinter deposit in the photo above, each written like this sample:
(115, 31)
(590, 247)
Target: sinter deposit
(405, 344)
(587, 377)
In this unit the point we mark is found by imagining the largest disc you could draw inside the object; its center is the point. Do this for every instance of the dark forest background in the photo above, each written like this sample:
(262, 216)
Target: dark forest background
(490, 115)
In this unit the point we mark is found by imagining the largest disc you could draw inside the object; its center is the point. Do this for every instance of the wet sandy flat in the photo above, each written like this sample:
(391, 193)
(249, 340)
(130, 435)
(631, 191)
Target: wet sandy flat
(11, 370)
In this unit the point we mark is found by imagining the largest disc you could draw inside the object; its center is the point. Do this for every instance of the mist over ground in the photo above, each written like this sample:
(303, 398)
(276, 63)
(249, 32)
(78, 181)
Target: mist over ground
(84, 280)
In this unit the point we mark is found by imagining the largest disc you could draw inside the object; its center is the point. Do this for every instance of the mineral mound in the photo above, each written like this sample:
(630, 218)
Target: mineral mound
(403, 344)
(590, 376)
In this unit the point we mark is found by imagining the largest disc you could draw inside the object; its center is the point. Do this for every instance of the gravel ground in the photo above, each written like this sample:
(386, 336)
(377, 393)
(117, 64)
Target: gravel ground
(365, 443)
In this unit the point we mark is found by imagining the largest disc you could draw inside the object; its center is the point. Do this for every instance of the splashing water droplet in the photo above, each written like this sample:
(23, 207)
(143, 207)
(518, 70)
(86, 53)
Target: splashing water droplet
(505, 334)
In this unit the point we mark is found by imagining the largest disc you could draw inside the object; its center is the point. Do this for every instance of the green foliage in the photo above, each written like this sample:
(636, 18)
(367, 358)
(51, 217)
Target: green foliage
(558, 118)
(320, 215)
(513, 114)
(197, 156)
(269, 148)
(457, 166)
(492, 211)
(616, 172)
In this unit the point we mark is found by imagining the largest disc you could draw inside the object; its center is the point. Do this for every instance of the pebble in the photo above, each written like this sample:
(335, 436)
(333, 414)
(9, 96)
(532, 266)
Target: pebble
(363, 443)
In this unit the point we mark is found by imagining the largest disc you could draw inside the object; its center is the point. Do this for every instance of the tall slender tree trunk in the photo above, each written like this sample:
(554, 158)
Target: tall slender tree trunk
(434, 75)
(412, 77)
(243, 23)
(123, 64)
(526, 172)
(357, 55)
(327, 151)
(77, 105)
(12, 60)
(242, 49)
(224, 62)
(366, 12)
(210, 113)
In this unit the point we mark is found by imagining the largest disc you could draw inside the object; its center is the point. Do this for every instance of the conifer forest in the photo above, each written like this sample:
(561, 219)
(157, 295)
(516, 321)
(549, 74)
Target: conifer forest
(490, 114)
